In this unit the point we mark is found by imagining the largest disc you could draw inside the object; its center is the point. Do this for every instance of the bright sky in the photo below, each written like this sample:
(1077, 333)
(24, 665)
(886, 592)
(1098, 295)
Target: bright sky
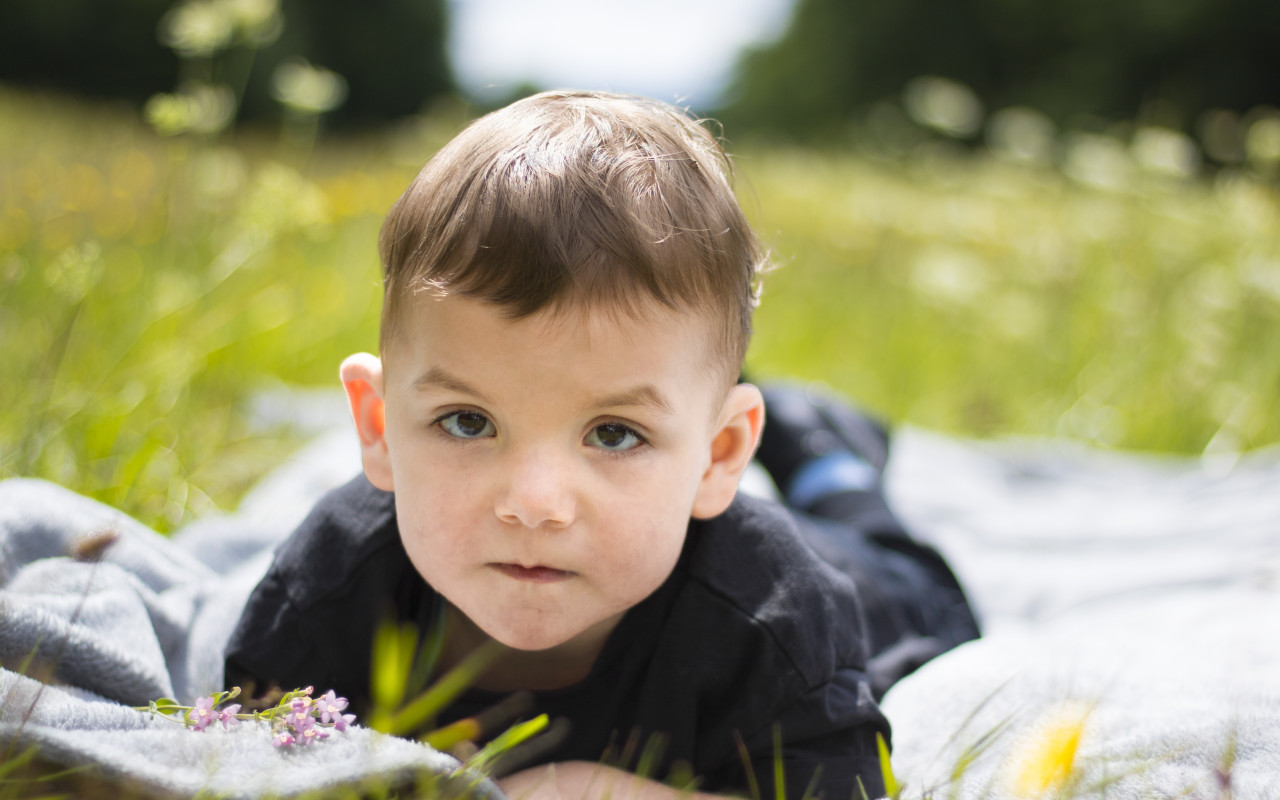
(674, 50)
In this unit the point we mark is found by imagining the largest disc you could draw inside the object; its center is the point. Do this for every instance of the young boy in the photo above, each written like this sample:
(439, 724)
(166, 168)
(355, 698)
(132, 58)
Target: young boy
(552, 443)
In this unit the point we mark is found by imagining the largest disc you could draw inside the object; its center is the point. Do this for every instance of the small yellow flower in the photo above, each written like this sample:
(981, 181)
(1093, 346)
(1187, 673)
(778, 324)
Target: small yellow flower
(1042, 763)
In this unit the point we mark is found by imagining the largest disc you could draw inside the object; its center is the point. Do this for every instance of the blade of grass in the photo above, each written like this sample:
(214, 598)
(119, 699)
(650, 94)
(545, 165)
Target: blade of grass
(891, 786)
(779, 776)
(513, 736)
(753, 786)
(444, 691)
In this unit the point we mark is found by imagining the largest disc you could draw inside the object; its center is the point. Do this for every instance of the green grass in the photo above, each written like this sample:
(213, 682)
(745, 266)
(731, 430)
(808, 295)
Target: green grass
(150, 287)
(984, 299)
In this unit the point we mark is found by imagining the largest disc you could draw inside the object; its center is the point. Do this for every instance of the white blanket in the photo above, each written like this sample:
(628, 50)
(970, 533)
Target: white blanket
(1137, 596)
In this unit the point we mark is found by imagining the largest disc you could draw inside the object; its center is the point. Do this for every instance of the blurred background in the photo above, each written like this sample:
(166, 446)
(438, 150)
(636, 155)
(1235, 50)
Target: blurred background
(989, 218)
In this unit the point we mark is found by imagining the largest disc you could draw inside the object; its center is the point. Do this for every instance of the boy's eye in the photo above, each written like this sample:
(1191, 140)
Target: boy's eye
(466, 425)
(614, 436)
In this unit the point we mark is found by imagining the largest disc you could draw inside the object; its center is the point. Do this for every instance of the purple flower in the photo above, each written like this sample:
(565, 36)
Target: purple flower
(202, 714)
(299, 711)
(331, 707)
(301, 723)
(341, 721)
(228, 716)
(283, 739)
(313, 734)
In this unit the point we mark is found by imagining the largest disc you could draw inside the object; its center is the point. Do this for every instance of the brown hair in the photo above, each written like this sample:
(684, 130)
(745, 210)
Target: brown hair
(566, 199)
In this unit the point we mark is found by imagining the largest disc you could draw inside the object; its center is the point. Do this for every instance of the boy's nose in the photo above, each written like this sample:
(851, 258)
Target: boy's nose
(538, 493)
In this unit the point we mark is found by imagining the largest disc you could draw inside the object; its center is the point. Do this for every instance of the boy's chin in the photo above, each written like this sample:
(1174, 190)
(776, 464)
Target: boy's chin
(568, 642)
(525, 641)
(544, 641)
(540, 660)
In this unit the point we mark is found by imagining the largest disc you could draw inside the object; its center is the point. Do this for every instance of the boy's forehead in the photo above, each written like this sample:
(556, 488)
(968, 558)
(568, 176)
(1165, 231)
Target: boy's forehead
(650, 333)
(435, 312)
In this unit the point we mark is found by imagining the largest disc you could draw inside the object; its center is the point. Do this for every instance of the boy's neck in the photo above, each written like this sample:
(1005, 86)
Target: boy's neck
(532, 670)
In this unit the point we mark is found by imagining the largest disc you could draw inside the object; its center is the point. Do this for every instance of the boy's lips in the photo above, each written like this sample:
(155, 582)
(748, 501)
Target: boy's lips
(533, 574)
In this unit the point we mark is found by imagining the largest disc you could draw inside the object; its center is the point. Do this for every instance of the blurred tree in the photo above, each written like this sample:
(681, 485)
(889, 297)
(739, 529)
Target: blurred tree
(1110, 58)
(391, 52)
(96, 47)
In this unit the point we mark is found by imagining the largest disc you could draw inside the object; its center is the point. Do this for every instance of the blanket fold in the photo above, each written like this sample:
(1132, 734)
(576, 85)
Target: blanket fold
(98, 614)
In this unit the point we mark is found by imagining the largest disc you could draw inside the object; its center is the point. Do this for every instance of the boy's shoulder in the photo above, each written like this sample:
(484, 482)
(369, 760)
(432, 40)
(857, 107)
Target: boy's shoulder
(311, 618)
(754, 630)
(756, 560)
(344, 531)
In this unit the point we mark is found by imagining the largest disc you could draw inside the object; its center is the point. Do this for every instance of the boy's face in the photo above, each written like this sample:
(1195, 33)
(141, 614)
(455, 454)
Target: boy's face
(546, 468)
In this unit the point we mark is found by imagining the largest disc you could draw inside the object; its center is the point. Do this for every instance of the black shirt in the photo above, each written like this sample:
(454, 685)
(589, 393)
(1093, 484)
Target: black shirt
(751, 631)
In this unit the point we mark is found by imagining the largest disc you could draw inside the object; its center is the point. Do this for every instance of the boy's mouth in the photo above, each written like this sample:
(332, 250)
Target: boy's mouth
(533, 574)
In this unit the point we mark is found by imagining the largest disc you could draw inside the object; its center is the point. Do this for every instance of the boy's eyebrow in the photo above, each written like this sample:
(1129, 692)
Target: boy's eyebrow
(440, 378)
(644, 395)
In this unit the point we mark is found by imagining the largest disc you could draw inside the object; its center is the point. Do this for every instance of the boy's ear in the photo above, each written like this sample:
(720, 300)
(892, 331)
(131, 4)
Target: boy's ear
(732, 447)
(362, 378)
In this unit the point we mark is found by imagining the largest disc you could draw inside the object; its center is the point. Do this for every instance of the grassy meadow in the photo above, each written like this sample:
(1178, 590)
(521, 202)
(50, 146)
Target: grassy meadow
(150, 287)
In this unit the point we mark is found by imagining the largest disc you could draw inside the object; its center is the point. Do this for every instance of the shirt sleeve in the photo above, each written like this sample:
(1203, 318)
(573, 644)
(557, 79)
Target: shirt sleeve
(270, 645)
(311, 620)
(827, 741)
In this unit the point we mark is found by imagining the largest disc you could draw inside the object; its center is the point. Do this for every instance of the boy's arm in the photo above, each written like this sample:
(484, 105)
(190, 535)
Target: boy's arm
(584, 780)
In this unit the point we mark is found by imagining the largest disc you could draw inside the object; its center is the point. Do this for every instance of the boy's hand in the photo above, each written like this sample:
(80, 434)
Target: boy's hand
(583, 780)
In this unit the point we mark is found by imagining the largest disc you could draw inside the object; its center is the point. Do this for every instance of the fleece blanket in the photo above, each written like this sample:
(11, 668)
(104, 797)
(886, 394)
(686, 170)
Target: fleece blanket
(1131, 612)
(99, 614)
(1131, 607)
